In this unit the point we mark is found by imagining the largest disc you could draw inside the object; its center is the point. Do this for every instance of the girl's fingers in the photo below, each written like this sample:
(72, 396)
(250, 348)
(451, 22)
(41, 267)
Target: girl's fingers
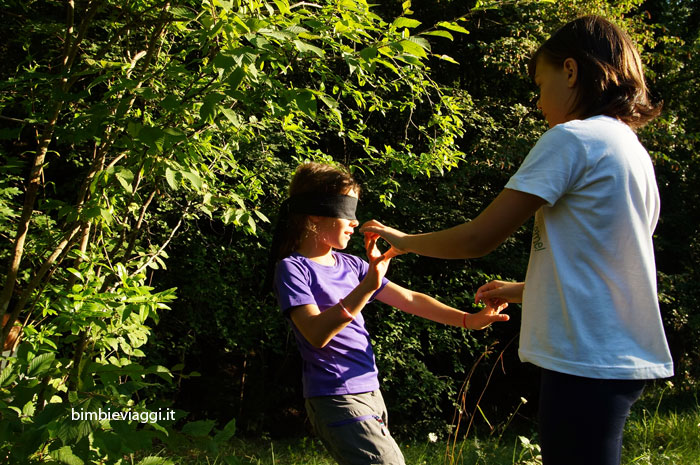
(392, 252)
(371, 226)
(487, 291)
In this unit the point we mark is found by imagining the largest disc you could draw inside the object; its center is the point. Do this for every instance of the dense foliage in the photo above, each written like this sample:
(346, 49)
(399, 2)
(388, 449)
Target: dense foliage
(145, 144)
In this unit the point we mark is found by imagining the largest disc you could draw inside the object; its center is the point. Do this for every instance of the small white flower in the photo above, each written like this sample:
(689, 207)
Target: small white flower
(523, 400)
(432, 437)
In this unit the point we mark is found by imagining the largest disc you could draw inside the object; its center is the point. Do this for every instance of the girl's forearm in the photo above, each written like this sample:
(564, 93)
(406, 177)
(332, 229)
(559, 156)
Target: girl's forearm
(323, 326)
(476, 238)
(461, 241)
(427, 307)
(356, 300)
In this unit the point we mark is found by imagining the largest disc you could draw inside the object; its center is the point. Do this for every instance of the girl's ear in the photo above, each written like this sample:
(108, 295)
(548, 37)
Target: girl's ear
(571, 70)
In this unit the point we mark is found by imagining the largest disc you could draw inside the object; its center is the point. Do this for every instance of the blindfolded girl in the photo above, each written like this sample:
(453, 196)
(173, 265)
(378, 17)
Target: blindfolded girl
(322, 293)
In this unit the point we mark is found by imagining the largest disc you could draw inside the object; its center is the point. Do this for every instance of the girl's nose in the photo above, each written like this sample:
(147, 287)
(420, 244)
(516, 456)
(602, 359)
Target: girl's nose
(354, 223)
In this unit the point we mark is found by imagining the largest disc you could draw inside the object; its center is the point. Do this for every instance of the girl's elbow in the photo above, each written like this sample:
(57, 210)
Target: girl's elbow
(485, 249)
(319, 343)
(477, 247)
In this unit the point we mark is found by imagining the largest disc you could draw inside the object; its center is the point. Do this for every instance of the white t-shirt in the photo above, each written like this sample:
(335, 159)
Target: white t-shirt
(590, 305)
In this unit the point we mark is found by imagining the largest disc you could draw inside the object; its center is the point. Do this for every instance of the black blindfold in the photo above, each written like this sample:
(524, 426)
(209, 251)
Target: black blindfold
(334, 206)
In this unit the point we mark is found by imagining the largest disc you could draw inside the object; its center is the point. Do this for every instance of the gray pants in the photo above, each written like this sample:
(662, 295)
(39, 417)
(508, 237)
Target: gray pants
(354, 428)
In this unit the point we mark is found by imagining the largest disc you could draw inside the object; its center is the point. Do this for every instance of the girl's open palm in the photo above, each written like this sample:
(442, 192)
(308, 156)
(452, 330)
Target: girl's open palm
(487, 316)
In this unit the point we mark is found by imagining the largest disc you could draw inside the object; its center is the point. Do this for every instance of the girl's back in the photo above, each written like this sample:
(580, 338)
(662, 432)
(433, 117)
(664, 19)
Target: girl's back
(590, 305)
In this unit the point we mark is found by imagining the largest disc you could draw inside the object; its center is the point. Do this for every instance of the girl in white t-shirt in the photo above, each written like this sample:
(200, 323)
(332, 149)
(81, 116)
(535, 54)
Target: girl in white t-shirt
(591, 318)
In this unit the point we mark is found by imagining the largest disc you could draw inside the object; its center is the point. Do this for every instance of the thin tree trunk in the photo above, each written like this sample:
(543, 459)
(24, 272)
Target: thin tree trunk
(33, 183)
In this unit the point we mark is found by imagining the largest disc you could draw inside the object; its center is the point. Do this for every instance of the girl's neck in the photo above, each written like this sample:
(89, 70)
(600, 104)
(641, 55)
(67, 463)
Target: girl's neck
(317, 252)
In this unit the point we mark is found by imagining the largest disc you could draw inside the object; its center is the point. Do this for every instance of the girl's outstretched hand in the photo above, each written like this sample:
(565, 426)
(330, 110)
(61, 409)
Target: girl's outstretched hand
(374, 230)
(486, 317)
(497, 293)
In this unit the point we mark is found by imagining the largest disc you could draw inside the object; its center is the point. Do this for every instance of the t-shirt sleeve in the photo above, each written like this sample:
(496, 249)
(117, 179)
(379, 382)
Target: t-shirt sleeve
(551, 168)
(292, 285)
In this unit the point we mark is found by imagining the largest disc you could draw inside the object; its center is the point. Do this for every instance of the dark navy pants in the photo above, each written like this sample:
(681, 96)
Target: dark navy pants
(582, 419)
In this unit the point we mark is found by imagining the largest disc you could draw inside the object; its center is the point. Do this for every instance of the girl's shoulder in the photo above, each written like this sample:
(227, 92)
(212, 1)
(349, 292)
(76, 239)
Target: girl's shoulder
(595, 127)
(346, 259)
(294, 263)
(579, 136)
(293, 258)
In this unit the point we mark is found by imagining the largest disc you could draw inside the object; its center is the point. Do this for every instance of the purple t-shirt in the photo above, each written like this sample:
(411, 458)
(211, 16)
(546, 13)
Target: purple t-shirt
(346, 364)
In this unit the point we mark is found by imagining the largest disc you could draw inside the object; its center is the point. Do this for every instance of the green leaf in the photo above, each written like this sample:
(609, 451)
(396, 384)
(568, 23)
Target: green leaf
(194, 178)
(125, 178)
(153, 460)
(447, 58)
(236, 77)
(306, 101)
(210, 107)
(153, 137)
(330, 103)
(175, 134)
(368, 53)
(223, 61)
(198, 428)
(92, 212)
(232, 116)
(413, 48)
(420, 41)
(108, 441)
(389, 65)
(66, 456)
(181, 12)
(405, 22)
(170, 177)
(106, 214)
(452, 26)
(260, 215)
(7, 376)
(28, 409)
(40, 364)
(283, 6)
(444, 34)
(251, 224)
(226, 433)
(304, 47)
(228, 214)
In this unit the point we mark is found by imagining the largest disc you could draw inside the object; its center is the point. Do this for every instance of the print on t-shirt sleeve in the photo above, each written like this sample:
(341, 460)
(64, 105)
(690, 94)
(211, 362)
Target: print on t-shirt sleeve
(552, 167)
(292, 285)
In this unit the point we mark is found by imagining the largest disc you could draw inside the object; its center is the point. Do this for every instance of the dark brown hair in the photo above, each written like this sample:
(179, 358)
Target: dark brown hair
(610, 77)
(316, 178)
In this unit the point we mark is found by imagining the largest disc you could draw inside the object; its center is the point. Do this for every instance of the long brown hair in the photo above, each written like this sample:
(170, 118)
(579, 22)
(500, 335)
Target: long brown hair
(316, 178)
(610, 74)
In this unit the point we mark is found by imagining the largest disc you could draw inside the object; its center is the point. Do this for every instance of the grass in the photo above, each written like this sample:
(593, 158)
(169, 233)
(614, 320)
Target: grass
(664, 428)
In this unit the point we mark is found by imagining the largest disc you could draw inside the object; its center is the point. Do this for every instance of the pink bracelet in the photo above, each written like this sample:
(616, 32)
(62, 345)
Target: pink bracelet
(345, 310)
(464, 320)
